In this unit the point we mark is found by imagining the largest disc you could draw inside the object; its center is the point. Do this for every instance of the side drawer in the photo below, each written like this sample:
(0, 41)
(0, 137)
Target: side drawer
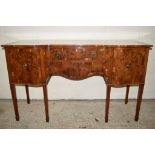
(129, 65)
(24, 65)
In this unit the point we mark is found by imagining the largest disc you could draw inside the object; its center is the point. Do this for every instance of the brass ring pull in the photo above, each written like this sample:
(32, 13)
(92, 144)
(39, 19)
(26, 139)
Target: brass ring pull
(104, 62)
(93, 53)
(49, 62)
(25, 66)
(58, 54)
(128, 66)
(106, 79)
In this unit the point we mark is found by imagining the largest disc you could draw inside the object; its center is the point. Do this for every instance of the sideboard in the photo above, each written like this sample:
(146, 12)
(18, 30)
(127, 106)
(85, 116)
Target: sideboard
(120, 63)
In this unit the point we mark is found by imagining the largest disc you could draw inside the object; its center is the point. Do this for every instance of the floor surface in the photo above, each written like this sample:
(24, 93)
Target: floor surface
(68, 114)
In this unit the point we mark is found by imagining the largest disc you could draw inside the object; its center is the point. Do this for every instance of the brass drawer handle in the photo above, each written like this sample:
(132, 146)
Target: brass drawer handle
(93, 53)
(102, 49)
(58, 54)
(106, 79)
(128, 66)
(49, 62)
(104, 62)
(25, 66)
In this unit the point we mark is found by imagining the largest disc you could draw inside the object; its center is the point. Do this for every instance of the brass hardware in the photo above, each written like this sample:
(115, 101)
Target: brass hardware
(102, 49)
(128, 66)
(25, 66)
(106, 79)
(49, 62)
(93, 53)
(58, 54)
(104, 62)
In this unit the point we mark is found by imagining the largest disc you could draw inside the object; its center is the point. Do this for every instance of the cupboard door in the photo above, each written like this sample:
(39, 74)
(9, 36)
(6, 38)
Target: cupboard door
(129, 65)
(23, 65)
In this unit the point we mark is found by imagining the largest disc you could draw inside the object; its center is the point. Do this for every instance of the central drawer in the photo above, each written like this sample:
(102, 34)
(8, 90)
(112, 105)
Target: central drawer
(65, 52)
(79, 61)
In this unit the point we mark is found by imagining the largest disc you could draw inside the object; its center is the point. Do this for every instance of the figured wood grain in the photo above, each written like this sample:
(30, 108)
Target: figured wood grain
(129, 65)
(79, 62)
(24, 65)
(119, 65)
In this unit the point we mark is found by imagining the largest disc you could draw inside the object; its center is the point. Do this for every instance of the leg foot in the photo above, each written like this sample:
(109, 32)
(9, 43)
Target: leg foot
(136, 118)
(106, 119)
(47, 119)
(17, 118)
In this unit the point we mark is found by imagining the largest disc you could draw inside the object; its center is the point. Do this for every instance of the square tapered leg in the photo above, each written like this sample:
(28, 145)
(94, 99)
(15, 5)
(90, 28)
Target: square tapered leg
(107, 102)
(46, 102)
(14, 99)
(127, 94)
(27, 94)
(139, 100)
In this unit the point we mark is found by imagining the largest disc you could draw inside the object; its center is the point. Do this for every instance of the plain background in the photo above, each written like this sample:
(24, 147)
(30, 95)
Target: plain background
(77, 13)
(91, 88)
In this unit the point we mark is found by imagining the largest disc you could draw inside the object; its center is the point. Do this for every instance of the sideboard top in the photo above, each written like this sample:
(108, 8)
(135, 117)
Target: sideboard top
(78, 42)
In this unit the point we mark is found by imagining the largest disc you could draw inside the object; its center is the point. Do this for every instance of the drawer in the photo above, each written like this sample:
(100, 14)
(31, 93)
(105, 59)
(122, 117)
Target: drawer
(24, 65)
(61, 53)
(68, 69)
(89, 52)
(75, 52)
(56, 53)
(79, 61)
(78, 52)
(129, 65)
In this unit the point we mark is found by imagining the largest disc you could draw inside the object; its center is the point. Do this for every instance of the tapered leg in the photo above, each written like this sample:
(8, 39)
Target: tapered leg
(139, 100)
(14, 99)
(127, 94)
(46, 102)
(27, 94)
(107, 102)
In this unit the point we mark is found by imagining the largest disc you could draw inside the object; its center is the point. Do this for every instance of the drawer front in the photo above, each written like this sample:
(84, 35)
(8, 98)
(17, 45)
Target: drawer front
(129, 65)
(79, 62)
(24, 65)
(56, 53)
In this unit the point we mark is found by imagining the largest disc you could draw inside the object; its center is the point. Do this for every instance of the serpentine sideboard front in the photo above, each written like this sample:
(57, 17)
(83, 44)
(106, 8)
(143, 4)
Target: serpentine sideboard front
(120, 63)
